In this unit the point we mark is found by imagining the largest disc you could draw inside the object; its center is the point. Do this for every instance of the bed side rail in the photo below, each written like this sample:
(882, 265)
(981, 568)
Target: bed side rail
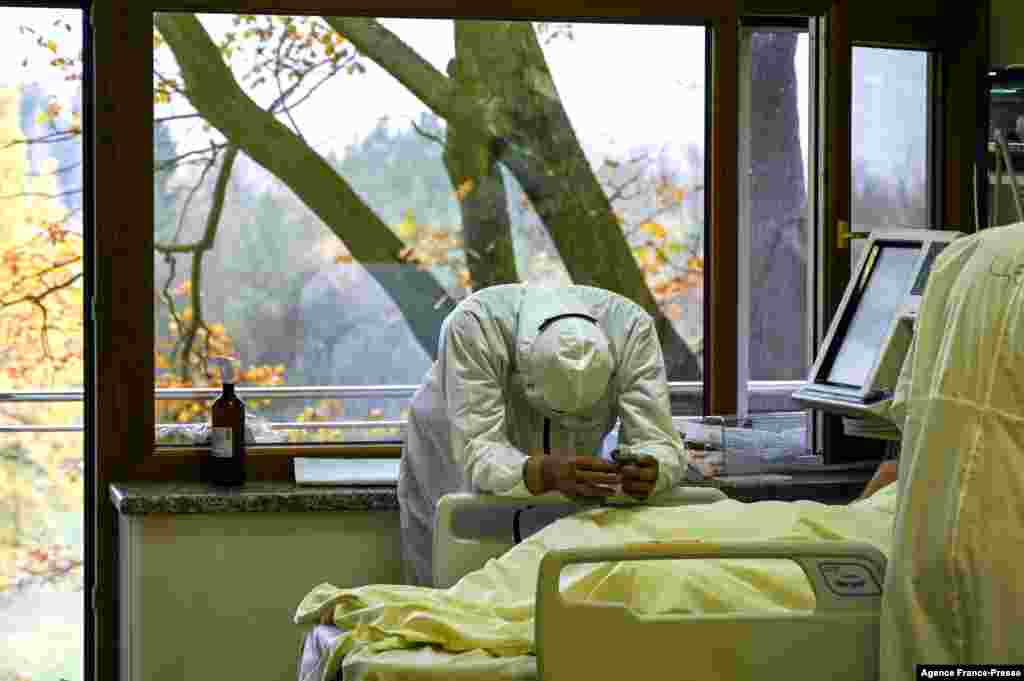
(839, 639)
(456, 555)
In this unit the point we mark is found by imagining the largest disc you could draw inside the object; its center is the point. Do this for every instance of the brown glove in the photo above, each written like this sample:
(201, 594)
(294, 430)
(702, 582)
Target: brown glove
(573, 476)
(639, 478)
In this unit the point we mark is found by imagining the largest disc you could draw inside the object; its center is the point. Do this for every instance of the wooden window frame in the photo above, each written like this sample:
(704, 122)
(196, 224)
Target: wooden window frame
(958, 37)
(124, 362)
(124, 368)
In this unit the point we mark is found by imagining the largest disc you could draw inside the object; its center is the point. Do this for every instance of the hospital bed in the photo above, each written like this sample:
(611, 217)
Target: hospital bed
(577, 639)
(586, 640)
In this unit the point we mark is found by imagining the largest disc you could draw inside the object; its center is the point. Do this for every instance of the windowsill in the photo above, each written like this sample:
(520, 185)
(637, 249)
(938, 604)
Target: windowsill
(148, 498)
(359, 450)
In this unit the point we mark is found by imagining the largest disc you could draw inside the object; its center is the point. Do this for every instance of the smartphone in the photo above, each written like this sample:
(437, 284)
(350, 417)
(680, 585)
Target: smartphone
(623, 458)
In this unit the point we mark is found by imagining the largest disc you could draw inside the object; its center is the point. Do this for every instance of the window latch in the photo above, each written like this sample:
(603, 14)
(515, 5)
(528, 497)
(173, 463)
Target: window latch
(843, 235)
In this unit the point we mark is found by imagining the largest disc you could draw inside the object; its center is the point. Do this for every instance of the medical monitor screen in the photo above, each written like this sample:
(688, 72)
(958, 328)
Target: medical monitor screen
(881, 297)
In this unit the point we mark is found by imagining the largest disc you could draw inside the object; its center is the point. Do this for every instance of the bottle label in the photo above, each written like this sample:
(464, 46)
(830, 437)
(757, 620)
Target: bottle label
(221, 446)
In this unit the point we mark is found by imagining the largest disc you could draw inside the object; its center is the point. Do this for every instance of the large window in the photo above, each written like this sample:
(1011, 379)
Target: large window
(774, 227)
(326, 189)
(41, 344)
(891, 140)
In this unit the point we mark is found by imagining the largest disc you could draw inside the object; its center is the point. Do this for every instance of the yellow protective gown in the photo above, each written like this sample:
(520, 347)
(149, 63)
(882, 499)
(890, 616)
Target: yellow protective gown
(954, 591)
(482, 628)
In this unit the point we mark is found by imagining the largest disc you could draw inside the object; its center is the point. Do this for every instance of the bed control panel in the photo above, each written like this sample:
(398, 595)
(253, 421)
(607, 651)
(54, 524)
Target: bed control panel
(850, 579)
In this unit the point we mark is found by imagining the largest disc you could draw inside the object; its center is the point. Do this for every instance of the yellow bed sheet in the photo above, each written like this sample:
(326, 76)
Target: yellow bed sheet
(485, 621)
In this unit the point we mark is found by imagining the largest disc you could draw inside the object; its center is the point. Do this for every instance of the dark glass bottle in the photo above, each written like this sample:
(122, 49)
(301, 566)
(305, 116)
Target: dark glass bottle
(226, 461)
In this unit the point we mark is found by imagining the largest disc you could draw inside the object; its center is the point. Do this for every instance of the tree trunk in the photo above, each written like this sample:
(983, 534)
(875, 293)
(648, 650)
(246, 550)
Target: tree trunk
(215, 94)
(778, 214)
(483, 201)
(538, 145)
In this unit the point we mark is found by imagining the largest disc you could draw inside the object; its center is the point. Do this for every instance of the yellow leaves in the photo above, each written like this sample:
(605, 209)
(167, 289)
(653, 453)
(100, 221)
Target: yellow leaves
(158, 40)
(465, 280)
(343, 259)
(56, 232)
(464, 189)
(51, 112)
(648, 259)
(655, 230)
(164, 88)
(407, 228)
(427, 246)
(184, 288)
(51, 45)
(331, 41)
(669, 194)
(262, 375)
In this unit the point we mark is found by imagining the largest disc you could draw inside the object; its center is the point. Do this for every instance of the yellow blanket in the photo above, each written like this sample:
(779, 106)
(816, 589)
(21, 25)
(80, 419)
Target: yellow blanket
(490, 611)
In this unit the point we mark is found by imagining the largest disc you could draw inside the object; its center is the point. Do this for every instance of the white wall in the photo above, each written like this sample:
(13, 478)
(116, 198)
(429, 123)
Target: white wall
(212, 596)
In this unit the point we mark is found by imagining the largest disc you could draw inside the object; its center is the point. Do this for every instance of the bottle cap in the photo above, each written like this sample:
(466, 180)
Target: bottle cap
(227, 368)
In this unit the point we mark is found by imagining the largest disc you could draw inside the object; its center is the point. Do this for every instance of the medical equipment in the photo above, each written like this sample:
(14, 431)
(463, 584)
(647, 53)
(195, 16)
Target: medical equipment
(1003, 159)
(859, 362)
(1006, 108)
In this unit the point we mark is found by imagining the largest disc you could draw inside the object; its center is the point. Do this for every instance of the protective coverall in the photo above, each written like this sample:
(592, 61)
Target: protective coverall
(954, 592)
(478, 414)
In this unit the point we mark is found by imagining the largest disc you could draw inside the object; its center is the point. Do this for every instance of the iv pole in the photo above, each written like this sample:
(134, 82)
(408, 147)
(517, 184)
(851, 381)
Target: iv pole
(1002, 149)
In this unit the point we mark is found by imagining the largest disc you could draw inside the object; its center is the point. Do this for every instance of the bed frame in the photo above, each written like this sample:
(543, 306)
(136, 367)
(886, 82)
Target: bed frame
(457, 554)
(838, 640)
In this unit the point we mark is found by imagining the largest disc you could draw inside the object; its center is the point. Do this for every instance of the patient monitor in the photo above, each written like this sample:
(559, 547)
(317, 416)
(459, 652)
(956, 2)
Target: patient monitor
(859, 362)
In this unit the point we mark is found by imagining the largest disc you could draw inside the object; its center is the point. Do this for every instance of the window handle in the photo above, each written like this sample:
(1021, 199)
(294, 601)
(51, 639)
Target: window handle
(843, 234)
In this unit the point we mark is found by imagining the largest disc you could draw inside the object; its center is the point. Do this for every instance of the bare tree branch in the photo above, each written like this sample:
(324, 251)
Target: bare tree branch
(169, 163)
(165, 119)
(40, 195)
(216, 95)
(59, 171)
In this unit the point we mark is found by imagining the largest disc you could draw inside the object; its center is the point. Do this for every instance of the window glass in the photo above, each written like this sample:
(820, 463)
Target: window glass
(891, 182)
(41, 316)
(773, 216)
(326, 189)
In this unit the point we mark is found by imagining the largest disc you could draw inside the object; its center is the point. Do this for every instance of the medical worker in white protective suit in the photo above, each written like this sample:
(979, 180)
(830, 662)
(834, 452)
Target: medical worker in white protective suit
(954, 590)
(528, 382)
